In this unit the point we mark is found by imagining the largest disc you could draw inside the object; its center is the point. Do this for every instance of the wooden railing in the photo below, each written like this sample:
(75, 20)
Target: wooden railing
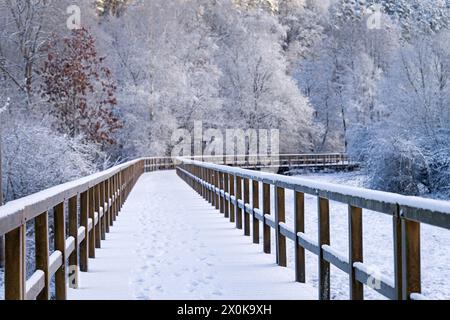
(228, 189)
(159, 163)
(83, 211)
(259, 161)
(88, 206)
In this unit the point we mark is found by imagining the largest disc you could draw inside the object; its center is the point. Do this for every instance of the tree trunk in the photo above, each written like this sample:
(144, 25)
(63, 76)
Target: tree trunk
(344, 124)
(325, 135)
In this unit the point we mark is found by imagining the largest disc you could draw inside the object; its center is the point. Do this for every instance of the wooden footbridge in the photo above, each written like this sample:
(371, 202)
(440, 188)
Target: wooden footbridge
(284, 163)
(82, 212)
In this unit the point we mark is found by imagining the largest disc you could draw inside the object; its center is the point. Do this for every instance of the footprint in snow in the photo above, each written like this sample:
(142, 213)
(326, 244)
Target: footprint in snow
(217, 293)
(158, 288)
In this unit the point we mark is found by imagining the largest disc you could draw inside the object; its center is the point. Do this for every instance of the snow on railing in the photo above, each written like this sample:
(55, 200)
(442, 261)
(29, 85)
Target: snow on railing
(24, 209)
(222, 187)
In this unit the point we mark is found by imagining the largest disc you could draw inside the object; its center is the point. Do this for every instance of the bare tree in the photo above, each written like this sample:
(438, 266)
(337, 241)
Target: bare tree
(26, 27)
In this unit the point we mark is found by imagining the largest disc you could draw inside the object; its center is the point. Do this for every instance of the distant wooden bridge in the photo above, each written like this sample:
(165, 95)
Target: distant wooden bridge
(88, 207)
(283, 163)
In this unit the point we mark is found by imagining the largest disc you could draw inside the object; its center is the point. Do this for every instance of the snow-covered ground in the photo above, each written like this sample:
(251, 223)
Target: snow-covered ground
(378, 243)
(168, 243)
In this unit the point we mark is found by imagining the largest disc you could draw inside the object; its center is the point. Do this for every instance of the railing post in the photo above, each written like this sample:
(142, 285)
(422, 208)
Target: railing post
(216, 185)
(120, 192)
(210, 192)
(123, 183)
(255, 204)
(238, 187)
(84, 215)
(205, 187)
(105, 205)
(98, 226)
(280, 217)
(109, 200)
(355, 253)
(266, 210)
(246, 201)
(398, 260)
(101, 190)
(73, 232)
(222, 188)
(116, 196)
(205, 180)
(202, 177)
(60, 244)
(299, 226)
(324, 239)
(15, 264)
(411, 258)
(113, 193)
(195, 170)
(196, 173)
(232, 206)
(226, 190)
(42, 251)
(199, 184)
(92, 235)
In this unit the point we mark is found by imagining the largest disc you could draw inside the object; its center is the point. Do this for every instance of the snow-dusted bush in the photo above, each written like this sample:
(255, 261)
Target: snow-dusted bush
(438, 157)
(396, 164)
(36, 158)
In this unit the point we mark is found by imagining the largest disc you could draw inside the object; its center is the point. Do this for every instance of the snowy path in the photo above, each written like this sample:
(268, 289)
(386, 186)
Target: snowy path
(168, 243)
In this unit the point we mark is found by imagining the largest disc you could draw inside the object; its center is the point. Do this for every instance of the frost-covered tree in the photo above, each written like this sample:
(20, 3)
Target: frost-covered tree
(255, 85)
(304, 25)
(417, 90)
(341, 73)
(416, 98)
(172, 83)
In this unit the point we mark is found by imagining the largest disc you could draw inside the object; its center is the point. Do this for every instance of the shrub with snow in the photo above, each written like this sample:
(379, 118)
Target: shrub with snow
(397, 165)
(36, 158)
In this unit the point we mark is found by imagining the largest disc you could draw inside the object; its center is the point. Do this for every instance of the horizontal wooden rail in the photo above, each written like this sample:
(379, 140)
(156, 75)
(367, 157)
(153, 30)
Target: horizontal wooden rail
(83, 212)
(287, 161)
(407, 214)
(259, 161)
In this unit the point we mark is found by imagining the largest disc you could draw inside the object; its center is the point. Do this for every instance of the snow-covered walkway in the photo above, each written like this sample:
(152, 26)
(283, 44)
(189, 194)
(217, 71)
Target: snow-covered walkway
(168, 243)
